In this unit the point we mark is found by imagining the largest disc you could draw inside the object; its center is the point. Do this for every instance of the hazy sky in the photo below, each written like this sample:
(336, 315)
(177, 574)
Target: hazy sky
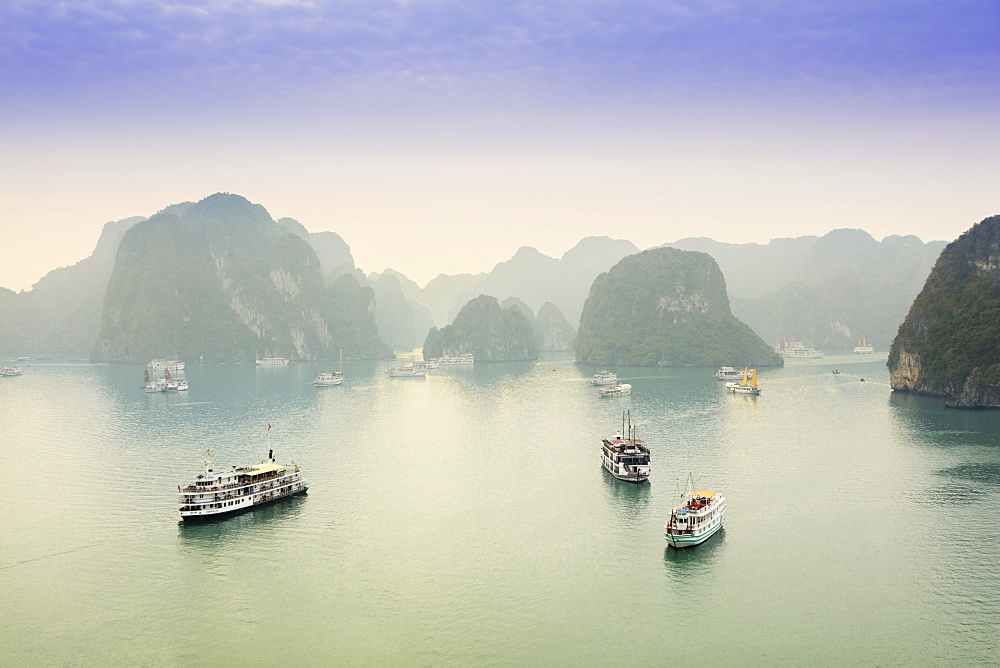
(439, 135)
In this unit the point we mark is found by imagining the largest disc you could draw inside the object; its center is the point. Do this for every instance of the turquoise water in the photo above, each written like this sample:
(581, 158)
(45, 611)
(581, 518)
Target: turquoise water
(465, 520)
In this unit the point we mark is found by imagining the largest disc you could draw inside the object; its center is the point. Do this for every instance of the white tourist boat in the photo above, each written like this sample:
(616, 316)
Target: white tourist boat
(728, 373)
(166, 364)
(216, 493)
(748, 385)
(272, 361)
(426, 364)
(329, 378)
(619, 390)
(457, 360)
(604, 378)
(11, 371)
(407, 371)
(863, 348)
(797, 350)
(698, 517)
(624, 456)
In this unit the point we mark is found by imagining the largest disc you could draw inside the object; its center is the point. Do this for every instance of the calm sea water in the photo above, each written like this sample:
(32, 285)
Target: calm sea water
(465, 520)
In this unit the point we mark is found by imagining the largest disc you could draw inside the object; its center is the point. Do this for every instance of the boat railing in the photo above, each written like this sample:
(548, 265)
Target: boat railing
(268, 492)
(236, 485)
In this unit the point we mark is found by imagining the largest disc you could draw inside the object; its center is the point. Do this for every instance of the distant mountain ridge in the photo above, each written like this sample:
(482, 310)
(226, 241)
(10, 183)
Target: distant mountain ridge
(830, 290)
(61, 312)
(535, 278)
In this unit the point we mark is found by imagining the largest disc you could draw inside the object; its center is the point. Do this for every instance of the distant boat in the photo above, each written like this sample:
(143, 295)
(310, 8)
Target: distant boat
(619, 390)
(408, 371)
(161, 364)
(165, 384)
(836, 372)
(728, 373)
(604, 378)
(863, 348)
(11, 371)
(272, 361)
(624, 456)
(426, 364)
(745, 386)
(797, 350)
(329, 378)
(457, 360)
(696, 519)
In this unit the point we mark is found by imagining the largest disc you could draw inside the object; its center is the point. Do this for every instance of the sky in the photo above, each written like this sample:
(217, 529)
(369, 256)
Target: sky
(439, 136)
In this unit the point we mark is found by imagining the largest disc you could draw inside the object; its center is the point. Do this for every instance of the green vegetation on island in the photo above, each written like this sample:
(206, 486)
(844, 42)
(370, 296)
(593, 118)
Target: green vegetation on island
(666, 307)
(949, 344)
(488, 331)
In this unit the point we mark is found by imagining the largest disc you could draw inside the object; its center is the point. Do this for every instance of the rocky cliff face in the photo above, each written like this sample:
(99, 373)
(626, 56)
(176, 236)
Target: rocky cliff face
(402, 322)
(666, 307)
(949, 343)
(483, 328)
(552, 331)
(221, 279)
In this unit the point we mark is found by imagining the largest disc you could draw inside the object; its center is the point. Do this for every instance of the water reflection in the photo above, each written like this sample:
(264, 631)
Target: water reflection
(949, 496)
(630, 498)
(927, 422)
(693, 562)
(981, 472)
(491, 374)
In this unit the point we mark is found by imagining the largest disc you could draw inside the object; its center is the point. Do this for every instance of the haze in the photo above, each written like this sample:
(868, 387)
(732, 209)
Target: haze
(438, 137)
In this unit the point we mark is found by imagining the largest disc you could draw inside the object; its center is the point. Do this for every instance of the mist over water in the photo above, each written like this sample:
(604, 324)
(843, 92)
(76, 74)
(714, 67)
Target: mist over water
(465, 519)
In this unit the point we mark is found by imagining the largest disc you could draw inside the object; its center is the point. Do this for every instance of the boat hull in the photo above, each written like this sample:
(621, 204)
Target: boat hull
(643, 477)
(238, 510)
(690, 540)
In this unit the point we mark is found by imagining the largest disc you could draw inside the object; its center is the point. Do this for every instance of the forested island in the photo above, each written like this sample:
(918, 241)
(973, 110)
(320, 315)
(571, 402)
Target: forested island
(486, 330)
(666, 307)
(949, 344)
(220, 279)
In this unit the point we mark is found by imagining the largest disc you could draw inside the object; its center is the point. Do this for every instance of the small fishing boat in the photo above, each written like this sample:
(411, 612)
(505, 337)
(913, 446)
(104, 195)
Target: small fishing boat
(696, 519)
